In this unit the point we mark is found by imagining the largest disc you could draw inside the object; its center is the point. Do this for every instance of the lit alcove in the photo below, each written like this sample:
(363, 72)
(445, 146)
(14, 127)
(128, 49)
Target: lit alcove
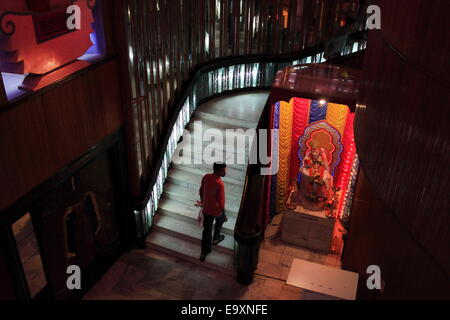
(43, 41)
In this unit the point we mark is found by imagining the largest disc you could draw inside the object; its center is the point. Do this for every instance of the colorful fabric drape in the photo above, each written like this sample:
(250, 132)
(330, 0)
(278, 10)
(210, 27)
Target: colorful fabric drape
(337, 116)
(343, 173)
(299, 123)
(293, 119)
(285, 137)
(317, 111)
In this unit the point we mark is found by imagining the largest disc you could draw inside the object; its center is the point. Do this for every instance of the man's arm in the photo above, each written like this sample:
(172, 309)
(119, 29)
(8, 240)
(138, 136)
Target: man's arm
(200, 191)
(220, 197)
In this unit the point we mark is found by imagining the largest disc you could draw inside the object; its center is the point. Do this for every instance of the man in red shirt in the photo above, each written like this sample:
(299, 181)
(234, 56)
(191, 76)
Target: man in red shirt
(212, 196)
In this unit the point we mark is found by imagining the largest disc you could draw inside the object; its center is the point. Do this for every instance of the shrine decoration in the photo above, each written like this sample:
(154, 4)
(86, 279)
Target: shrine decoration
(318, 111)
(328, 138)
(285, 136)
(333, 132)
(299, 124)
(337, 116)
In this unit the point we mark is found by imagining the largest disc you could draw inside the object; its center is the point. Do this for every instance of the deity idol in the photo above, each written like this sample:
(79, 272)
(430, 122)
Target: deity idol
(316, 181)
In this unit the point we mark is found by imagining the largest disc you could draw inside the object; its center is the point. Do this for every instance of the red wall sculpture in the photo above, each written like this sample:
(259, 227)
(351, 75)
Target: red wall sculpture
(26, 51)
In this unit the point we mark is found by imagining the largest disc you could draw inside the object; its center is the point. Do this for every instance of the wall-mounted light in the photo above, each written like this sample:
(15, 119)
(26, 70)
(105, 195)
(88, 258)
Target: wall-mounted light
(322, 102)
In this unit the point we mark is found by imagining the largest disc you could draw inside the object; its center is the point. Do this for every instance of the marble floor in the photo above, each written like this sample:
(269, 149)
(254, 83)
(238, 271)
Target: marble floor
(151, 275)
(275, 257)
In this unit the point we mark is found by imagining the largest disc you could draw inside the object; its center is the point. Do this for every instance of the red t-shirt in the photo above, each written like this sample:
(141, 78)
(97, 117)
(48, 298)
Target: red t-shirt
(212, 195)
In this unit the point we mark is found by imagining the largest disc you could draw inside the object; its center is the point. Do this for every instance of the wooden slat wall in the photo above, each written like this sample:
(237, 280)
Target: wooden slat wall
(403, 140)
(177, 30)
(46, 132)
(378, 237)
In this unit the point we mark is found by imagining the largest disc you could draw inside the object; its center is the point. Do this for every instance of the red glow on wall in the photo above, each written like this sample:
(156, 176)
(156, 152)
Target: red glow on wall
(31, 55)
(344, 170)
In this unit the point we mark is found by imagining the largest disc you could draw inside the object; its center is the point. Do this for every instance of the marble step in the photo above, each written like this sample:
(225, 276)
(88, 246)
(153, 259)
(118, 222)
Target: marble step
(208, 124)
(232, 173)
(181, 194)
(188, 231)
(215, 118)
(187, 250)
(189, 214)
(235, 151)
(215, 151)
(193, 170)
(192, 181)
(231, 146)
(240, 169)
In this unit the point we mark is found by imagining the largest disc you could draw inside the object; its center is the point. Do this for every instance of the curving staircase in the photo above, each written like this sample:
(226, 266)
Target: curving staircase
(175, 229)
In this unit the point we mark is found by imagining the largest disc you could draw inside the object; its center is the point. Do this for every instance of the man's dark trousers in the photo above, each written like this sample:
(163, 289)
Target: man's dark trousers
(207, 230)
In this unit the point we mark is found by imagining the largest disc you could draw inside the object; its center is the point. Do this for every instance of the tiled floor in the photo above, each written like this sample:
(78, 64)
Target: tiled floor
(275, 257)
(146, 274)
(143, 274)
(247, 107)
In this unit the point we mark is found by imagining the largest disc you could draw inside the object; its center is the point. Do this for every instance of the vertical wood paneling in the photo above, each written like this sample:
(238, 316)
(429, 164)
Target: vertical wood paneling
(212, 28)
(247, 26)
(278, 18)
(223, 28)
(403, 140)
(377, 237)
(46, 132)
(201, 39)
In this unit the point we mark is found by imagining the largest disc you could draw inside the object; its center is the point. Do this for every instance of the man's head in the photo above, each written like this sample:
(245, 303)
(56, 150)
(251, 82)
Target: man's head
(220, 169)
